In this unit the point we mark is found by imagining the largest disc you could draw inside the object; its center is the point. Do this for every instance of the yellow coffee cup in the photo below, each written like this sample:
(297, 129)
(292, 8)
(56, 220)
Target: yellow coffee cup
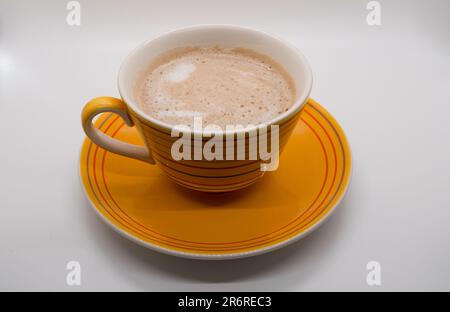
(217, 175)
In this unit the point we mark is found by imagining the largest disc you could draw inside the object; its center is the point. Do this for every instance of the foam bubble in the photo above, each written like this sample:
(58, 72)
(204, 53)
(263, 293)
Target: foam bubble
(180, 113)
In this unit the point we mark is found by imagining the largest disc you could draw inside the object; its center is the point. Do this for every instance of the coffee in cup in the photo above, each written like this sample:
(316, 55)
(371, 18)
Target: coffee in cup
(223, 86)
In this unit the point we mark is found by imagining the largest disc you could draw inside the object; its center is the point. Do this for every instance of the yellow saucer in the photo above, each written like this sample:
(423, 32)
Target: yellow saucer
(140, 202)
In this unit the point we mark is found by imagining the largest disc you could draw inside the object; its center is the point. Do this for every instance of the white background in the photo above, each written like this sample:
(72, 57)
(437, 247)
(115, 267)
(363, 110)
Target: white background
(388, 85)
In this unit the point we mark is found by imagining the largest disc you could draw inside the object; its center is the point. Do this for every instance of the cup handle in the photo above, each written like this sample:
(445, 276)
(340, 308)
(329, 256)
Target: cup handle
(109, 104)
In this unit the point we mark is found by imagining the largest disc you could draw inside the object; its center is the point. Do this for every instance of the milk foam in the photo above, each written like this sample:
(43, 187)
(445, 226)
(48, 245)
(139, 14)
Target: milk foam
(180, 72)
(224, 86)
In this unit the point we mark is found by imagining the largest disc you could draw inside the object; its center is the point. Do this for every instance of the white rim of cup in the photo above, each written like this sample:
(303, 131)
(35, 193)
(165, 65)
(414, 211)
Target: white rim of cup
(297, 106)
